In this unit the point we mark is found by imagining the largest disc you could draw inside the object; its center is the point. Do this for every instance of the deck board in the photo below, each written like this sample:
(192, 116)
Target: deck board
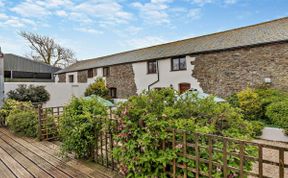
(25, 162)
(5, 172)
(13, 165)
(25, 157)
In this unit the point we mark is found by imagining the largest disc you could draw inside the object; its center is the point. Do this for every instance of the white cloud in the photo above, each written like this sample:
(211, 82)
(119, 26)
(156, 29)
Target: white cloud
(30, 9)
(108, 12)
(19, 22)
(144, 42)
(3, 16)
(88, 30)
(61, 13)
(194, 13)
(154, 12)
(202, 2)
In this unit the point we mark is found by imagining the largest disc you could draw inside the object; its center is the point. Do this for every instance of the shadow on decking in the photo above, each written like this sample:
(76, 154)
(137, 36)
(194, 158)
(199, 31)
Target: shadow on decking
(24, 157)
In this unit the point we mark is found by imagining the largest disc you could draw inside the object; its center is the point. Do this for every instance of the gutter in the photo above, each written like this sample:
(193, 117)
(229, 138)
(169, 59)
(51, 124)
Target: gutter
(158, 77)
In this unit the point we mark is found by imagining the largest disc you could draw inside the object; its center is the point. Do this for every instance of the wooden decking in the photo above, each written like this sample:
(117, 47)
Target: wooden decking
(24, 158)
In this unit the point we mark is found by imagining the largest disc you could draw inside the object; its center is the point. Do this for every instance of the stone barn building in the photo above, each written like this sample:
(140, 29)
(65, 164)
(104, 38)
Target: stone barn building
(219, 63)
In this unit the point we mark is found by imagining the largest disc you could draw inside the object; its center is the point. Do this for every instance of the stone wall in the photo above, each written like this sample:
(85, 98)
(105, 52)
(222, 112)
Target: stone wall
(82, 76)
(122, 77)
(225, 72)
(62, 78)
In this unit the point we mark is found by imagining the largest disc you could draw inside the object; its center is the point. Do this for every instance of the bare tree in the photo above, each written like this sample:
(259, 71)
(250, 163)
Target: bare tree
(45, 49)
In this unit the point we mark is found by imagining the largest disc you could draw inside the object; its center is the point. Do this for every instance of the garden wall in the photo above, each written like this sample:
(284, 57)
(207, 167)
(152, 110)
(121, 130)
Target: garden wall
(60, 93)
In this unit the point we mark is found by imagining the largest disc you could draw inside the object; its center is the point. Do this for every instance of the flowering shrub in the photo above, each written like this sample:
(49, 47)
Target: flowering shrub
(143, 123)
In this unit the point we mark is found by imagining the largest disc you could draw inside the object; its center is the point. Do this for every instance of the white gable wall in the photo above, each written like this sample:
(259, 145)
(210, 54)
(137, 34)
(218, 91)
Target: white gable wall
(167, 77)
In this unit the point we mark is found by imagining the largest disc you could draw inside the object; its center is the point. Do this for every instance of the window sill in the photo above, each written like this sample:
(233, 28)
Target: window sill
(178, 70)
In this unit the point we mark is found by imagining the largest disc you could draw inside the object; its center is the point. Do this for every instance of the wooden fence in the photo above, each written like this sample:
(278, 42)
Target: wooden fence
(199, 155)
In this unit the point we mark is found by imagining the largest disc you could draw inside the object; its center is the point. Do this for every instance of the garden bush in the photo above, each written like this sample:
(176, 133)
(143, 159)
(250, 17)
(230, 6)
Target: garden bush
(23, 123)
(11, 106)
(255, 103)
(278, 113)
(143, 123)
(97, 88)
(250, 104)
(34, 94)
(78, 125)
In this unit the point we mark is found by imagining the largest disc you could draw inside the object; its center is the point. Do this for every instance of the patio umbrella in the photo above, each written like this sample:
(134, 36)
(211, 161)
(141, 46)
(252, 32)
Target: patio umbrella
(200, 95)
(100, 100)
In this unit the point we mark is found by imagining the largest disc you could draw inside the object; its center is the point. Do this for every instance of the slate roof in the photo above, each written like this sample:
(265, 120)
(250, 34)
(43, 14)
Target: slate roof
(267, 32)
(14, 62)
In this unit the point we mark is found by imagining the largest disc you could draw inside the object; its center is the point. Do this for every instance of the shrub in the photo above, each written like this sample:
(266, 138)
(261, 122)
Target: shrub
(34, 94)
(11, 106)
(97, 88)
(254, 103)
(78, 125)
(143, 123)
(250, 103)
(23, 123)
(278, 113)
(257, 128)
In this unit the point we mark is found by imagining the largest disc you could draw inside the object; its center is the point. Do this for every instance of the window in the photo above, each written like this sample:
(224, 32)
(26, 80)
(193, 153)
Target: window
(90, 73)
(113, 92)
(71, 78)
(178, 63)
(106, 71)
(152, 67)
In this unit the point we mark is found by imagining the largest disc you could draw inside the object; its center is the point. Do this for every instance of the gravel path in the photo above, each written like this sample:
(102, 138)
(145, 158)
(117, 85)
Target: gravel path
(272, 155)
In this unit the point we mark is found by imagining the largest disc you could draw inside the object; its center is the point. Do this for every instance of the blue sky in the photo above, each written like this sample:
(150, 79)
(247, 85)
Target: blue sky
(98, 27)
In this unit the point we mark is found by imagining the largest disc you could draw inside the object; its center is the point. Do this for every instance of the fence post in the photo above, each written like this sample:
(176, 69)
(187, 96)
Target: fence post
(281, 163)
(40, 115)
(225, 170)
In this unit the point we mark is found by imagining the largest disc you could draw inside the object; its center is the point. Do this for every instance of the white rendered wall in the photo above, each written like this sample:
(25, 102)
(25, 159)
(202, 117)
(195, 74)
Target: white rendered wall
(167, 77)
(60, 93)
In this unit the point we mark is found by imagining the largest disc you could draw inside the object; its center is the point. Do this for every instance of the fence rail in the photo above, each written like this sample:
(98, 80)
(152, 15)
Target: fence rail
(198, 155)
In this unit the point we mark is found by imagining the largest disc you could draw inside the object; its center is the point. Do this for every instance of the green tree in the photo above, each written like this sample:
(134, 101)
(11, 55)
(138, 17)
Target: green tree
(97, 88)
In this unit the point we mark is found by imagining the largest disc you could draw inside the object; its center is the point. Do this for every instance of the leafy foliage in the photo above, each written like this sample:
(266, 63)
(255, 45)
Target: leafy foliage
(97, 88)
(261, 104)
(34, 94)
(78, 125)
(11, 106)
(143, 123)
(250, 103)
(278, 113)
(20, 117)
(23, 123)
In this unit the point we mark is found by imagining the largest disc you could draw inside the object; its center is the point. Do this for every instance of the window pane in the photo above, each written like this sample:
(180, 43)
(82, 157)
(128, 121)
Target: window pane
(175, 64)
(90, 73)
(152, 67)
(182, 64)
(71, 78)
(106, 71)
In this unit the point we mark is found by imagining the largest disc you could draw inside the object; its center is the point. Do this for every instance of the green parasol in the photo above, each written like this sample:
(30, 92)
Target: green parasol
(100, 100)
